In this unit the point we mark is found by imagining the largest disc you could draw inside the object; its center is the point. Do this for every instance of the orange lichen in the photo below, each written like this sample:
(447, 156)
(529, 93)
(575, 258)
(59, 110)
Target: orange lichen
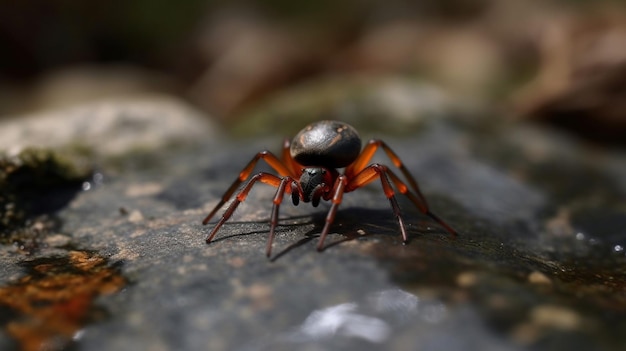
(55, 299)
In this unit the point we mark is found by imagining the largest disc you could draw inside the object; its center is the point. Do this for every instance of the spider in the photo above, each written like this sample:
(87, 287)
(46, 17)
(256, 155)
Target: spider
(308, 171)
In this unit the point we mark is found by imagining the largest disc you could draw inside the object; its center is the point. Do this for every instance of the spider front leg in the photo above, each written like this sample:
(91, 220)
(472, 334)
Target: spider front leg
(366, 156)
(269, 158)
(359, 165)
(263, 177)
(369, 174)
(278, 199)
(292, 165)
(338, 190)
(419, 202)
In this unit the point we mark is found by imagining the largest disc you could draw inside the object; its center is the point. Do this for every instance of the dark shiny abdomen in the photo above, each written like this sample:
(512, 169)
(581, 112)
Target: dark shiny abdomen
(330, 144)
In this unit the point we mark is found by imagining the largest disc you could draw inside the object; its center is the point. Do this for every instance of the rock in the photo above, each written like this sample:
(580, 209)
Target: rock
(35, 182)
(499, 185)
(108, 126)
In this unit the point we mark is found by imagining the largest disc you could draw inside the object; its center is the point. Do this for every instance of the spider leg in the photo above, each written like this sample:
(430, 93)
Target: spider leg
(338, 190)
(369, 174)
(416, 196)
(269, 158)
(419, 202)
(263, 177)
(366, 156)
(292, 165)
(278, 199)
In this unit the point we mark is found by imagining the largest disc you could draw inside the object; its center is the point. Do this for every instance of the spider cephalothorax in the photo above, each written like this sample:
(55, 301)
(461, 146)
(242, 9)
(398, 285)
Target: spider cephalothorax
(316, 184)
(308, 171)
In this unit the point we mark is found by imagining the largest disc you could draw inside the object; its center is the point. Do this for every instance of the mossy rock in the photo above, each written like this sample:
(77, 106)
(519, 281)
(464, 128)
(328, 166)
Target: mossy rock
(35, 182)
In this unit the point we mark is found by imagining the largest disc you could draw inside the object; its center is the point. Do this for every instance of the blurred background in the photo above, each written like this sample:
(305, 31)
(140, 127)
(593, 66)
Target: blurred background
(560, 62)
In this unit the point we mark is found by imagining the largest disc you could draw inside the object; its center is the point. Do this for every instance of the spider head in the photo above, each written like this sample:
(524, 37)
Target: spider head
(316, 183)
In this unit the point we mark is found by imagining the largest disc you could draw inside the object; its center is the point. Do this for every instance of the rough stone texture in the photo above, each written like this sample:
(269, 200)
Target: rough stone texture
(538, 264)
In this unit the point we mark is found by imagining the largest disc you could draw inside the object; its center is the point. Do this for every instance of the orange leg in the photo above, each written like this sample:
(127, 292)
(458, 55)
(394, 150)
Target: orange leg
(366, 156)
(292, 165)
(266, 178)
(369, 174)
(419, 202)
(338, 190)
(416, 197)
(278, 199)
(269, 158)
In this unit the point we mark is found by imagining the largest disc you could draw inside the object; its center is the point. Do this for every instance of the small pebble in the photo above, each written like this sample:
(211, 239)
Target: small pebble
(555, 317)
(135, 216)
(144, 189)
(57, 240)
(466, 279)
(537, 277)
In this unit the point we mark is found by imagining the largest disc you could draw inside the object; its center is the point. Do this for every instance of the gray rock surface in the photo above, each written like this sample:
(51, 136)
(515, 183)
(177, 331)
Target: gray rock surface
(538, 264)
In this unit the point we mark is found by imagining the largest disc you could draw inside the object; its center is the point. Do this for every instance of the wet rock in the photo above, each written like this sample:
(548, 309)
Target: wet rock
(509, 281)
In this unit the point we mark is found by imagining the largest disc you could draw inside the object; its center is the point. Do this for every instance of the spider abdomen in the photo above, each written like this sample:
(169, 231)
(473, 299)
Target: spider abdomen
(330, 144)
